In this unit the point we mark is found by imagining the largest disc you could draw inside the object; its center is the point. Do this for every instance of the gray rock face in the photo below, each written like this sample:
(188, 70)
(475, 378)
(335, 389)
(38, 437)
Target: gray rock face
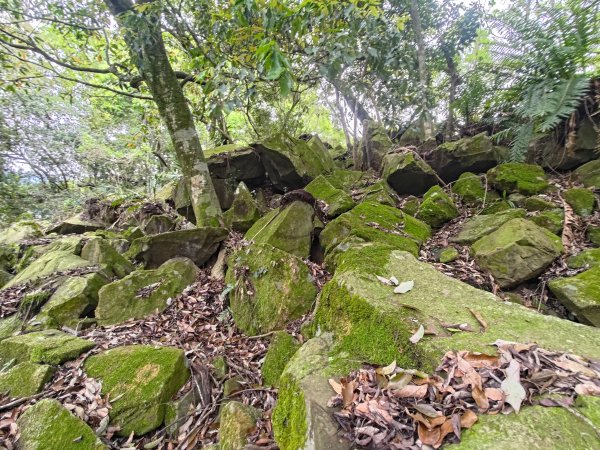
(197, 244)
(471, 154)
(517, 251)
(407, 174)
(235, 162)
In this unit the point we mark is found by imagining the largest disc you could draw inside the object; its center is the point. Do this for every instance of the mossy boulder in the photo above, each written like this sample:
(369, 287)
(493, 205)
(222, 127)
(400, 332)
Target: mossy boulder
(19, 232)
(25, 379)
(99, 251)
(581, 200)
(347, 180)
(78, 224)
(587, 258)
(281, 349)
(535, 428)
(495, 206)
(469, 188)
(157, 224)
(5, 277)
(437, 208)
(337, 200)
(527, 179)
(235, 162)
(374, 222)
(237, 421)
(375, 143)
(144, 292)
(552, 220)
(593, 235)
(301, 418)
(244, 211)
(75, 299)
(589, 174)
(470, 154)
(517, 251)
(411, 205)
(57, 259)
(580, 294)
(291, 163)
(197, 244)
(380, 192)
(143, 378)
(289, 229)
(10, 326)
(538, 203)
(447, 255)
(48, 425)
(269, 288)
(477, 227)
(407, 173)
(373, 325)
(48, 347)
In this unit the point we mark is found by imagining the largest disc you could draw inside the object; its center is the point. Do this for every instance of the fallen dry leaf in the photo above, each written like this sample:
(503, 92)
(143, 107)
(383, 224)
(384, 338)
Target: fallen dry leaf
(418, 335)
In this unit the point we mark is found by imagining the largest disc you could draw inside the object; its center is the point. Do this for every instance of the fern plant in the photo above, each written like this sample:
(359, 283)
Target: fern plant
(547, 58)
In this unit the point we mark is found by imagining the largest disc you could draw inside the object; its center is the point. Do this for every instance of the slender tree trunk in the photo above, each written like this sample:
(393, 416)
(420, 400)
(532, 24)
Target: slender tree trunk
(342, 114)
(143, 36)
(425, 122)
(452, 96)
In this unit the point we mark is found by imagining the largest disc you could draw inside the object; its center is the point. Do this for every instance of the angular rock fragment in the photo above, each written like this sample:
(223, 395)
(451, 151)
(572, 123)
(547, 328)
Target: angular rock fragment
(581, 200)
(244, 211)
(580, 294)
(589, 174)
(99, 251)
(25, 379)
(337, 200)
(524, 178)
(407, 173)
(477, 227)
(144, 292)
(48, 347)
(237, 422)
(143, 378)
(77, 225)
(437, 207)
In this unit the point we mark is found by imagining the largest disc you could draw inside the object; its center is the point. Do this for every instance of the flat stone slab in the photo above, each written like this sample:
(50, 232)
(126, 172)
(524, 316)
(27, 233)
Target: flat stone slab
(48, 347)
(142, 379)
(144, 292)
(197, 244)
(477, 227)
(47, 425)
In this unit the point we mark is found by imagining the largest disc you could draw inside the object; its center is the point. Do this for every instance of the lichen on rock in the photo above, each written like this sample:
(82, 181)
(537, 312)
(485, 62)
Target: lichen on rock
(281, 349)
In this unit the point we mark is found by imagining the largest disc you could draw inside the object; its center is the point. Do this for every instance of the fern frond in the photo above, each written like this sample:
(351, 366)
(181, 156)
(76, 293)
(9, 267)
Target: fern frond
(563, 101)
(520, 145)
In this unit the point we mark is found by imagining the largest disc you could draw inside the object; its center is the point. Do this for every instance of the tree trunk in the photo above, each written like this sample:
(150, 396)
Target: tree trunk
(143, 36)
(425, 122)
(452, 95)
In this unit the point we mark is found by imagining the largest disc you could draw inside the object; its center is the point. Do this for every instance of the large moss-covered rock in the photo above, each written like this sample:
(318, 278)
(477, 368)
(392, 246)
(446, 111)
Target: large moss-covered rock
(469, 188)
(437, 207)
(47, 425)
(374, 222)
(99, 251)
(535, 428)
(580, 294)
(537, 203)
(237, 421)
(244, 210)
(524, 178)
(78, 224)
(375, 143)
(144, 292)
(470, 154)
(589, 174)
(20, 231)
(291, 163)
(477, 227)
(337, 200)
(587, 258)
(289, 229)
(60, 256)
(407, 173)
(517, 251)
(237, 162)
(281, 349)
(75, 299)
(593, 234)
(5, 277)
(157, 224)
(143, 378)
(380, 192)
(269, 288)
(347, 180)
(25, 379)
(552, 220)
(49, 347)
(581, 200)
(197, 244)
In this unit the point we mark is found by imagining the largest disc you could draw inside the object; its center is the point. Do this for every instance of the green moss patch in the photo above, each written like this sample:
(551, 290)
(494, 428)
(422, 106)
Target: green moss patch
(587, 258)
(269, 288)
(99, 251)
(49, 347)
(469, 188)
(281, 349)
(581, 200)
(47, 425)
(527, 179)
(589, 174)
(437, 207)
(580, 294)
(244, 211)
(374, 222)
(25, 379)
(551, 220)
(144, 378)
(337, 200)
(477, 227)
